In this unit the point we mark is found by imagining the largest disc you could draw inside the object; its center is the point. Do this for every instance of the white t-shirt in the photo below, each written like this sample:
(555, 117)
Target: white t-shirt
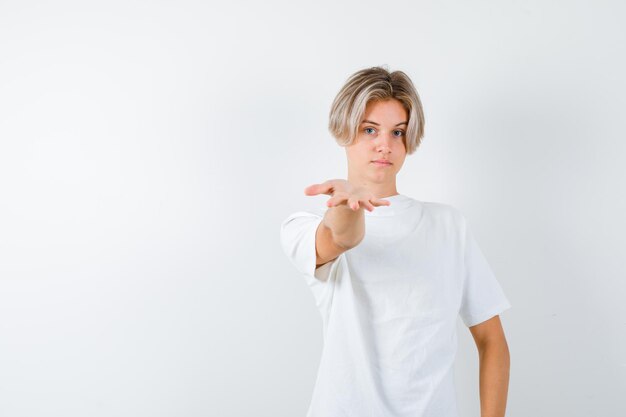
(389, 308)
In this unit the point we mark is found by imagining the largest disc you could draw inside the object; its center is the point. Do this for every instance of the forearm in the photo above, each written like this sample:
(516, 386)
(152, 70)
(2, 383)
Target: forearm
(494, 379)
(347, 225)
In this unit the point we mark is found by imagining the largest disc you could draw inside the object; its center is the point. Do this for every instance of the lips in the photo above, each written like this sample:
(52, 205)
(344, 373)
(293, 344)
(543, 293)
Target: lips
(383, 161)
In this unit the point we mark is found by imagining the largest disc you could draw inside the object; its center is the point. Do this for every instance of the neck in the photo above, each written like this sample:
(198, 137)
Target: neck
(379, 189)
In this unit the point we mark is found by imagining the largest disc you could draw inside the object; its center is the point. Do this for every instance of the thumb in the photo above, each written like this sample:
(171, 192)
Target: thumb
(316, 189)
(313, 189)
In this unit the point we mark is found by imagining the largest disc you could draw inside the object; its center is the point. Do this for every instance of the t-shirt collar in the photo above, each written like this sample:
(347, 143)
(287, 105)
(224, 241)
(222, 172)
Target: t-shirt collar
(398, 202)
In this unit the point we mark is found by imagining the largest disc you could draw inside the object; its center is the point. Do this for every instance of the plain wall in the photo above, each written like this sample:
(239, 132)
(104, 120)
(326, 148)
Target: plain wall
(150, 150)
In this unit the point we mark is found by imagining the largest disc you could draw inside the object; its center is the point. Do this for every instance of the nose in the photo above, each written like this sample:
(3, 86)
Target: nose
(384, 144)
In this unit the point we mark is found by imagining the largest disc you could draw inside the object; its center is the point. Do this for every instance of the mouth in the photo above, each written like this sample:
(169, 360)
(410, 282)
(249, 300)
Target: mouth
(381, 162)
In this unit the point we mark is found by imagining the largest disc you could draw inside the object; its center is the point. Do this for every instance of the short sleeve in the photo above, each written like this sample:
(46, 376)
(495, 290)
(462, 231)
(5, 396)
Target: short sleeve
(297, 236)
(482, 297)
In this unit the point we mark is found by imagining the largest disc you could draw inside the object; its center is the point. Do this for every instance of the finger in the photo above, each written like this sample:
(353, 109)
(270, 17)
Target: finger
(312, 189)
(368, 205)
(315, 189)
(340, 197)
(380, 202)
(336, 200)
(353, 203)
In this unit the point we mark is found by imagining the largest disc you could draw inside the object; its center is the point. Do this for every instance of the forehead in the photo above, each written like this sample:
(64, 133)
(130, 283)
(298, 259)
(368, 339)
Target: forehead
(390, 110)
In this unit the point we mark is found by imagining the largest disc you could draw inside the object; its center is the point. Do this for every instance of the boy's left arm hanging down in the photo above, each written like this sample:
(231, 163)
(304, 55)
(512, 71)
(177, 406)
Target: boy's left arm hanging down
(494, 359)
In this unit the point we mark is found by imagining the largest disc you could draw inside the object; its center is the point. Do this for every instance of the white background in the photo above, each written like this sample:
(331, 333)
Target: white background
(150, 150)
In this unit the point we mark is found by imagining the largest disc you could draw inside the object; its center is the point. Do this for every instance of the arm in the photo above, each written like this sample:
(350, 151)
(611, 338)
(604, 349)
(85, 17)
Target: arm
(340, 230)
(494, 360)
(343, 225)
(346, 225)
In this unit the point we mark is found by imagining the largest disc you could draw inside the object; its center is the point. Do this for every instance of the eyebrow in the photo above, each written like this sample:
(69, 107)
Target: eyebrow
(374, 123)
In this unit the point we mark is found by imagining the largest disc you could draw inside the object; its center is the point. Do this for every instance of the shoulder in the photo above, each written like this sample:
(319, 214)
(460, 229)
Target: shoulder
(444, 212)
(303, 215)
(300, 222)
(446, 219)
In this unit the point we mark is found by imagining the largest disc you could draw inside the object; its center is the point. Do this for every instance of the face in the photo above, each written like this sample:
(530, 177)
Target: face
(381, 136)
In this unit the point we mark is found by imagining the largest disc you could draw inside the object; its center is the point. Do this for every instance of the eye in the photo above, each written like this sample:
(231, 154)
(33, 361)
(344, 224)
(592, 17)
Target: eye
(401, 133)
(368, 128)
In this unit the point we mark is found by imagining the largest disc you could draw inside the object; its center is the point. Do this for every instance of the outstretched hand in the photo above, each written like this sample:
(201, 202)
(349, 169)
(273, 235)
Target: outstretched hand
(344, 193)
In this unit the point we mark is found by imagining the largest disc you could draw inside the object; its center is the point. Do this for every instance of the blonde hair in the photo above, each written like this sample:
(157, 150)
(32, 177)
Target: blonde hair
(375, 83)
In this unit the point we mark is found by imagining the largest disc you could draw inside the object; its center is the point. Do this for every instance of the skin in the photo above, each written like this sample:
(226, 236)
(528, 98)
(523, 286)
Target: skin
(381, 135)
(495, 363)
(366, 187)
